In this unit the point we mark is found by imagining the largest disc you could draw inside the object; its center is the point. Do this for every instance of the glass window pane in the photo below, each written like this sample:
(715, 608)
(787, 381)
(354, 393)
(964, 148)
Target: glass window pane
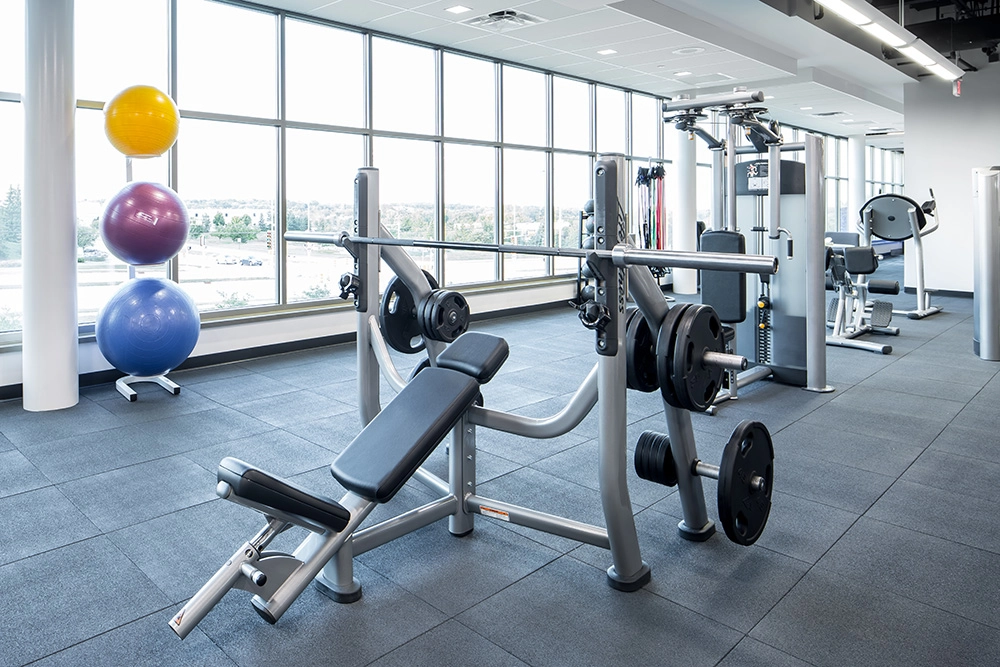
(703, 178)
(524, 221)
(469, 212)
(320, 198)
(402, 87)
(612, 129)
(645, 125)
(11, 187)
(571, 114)
(324, 74)
(572, 175)
(407, 192)
(107, 60)
(100, 174)
(844, 219)
(830, 152)
(877, 165)
(12, 47)
(842, 163)
(523, 106)
(226, 59)
(470, 96)
(228, 179)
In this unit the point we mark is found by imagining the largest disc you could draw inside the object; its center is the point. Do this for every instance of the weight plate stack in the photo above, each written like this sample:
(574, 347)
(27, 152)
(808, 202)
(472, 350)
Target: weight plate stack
(695, 382)
(664, 351)
(746, 477)
(397, 316)
(653, 460)
(443, 315)
(640, 353)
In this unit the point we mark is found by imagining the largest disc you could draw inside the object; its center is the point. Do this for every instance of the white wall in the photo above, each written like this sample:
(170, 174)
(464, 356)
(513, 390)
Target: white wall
(946, 137)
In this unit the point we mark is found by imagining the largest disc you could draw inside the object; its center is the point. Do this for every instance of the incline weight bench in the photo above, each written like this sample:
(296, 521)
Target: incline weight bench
(372, 468)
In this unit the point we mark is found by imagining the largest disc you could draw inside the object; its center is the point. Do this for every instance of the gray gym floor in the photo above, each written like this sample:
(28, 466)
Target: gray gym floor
(883, 546)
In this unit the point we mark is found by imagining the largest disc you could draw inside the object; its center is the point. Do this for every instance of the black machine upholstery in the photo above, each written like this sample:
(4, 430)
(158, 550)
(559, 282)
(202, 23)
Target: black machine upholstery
(257, 486)
(477, 354)
(726, 291)
(390, 449)
(860, 260)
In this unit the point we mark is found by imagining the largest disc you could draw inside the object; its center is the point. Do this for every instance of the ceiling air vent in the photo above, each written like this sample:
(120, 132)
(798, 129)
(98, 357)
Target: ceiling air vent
(828, 114)
(882, 130)
(503, 20)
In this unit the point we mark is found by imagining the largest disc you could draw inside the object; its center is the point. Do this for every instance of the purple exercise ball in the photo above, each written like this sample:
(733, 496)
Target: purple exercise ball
(145, 223)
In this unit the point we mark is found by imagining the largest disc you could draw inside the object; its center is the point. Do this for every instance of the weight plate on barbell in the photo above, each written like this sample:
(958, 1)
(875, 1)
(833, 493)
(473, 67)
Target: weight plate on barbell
(695, 382)
(653, 459)
(444, 315)
(640, 353)
(746, 477)
(397, 316)
(664, 351)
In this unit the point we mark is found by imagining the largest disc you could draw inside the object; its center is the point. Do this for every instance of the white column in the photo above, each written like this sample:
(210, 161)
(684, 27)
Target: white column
(686, 213)
(856, 180)
(48, 235)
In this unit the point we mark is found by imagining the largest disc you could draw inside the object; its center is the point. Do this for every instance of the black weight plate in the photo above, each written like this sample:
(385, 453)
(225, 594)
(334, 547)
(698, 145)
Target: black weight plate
(653, 459)
(447, 316)
(743, 510)
(664, 351)
(398, 316)
(695, 382)
(640, 354)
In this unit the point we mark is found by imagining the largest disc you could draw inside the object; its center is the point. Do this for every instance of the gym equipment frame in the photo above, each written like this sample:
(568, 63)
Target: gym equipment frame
(443, 398)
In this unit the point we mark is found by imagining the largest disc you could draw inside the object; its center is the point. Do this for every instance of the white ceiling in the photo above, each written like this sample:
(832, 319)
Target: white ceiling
(723, 43)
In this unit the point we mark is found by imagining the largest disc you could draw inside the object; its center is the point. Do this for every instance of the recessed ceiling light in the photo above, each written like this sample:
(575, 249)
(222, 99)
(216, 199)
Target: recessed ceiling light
(805, 108)
(682, 73)
(458, 9)
(606, 52)
(688, 51)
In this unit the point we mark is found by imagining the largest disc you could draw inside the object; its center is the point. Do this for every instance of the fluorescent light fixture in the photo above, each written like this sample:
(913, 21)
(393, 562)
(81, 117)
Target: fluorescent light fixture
(606, 52)
(847, 11)
(948, 70)
(916, 55)
(885, 33)
(458, 9)
(682, 73)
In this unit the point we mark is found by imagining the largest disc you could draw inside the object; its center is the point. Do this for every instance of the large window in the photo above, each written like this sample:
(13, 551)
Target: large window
(470, 98)
(227, 179)
(319, 198)
(226, 59)
(571, 114)
(524, 111)
(524, 213)
(469, 211)
(324, 75)
(402, 87)
(279, 111)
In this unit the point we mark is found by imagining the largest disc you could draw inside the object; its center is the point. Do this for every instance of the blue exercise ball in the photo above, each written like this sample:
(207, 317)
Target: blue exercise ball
(148, 327)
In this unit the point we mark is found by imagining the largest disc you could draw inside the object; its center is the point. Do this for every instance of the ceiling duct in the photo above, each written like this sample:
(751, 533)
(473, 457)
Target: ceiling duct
(503, 20)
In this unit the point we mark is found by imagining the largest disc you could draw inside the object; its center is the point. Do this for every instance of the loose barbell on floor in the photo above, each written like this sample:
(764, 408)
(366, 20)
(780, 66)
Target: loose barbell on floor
(745, 476)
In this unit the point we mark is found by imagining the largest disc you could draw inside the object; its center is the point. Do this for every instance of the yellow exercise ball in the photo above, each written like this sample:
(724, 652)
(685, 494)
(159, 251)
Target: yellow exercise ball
(141, 121)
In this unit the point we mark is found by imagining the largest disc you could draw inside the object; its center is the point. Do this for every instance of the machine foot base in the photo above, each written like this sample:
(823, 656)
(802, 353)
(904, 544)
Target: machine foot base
(633, 583)
(337, 594)
(696, 535)
(825, 389)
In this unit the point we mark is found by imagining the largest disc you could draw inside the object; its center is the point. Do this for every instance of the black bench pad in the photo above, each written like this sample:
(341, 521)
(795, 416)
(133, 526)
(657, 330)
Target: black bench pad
(878, 286)
(477, 354)
(257, 486)
(390, 449)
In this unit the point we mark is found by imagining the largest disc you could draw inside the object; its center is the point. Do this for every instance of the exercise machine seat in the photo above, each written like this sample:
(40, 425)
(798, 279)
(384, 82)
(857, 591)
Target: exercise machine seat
(262, 488)
(390, 449)
(860, 261)
(477, 354)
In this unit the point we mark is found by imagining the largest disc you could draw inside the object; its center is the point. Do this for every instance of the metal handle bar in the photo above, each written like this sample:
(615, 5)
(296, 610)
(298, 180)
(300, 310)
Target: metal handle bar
(620, 255)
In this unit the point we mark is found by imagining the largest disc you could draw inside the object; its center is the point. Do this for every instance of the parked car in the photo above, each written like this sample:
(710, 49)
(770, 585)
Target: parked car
(251, 261)
(225, 259)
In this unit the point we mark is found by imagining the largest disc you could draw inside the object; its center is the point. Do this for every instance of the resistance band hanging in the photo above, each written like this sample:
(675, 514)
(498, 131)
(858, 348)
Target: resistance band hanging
(649, 234)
